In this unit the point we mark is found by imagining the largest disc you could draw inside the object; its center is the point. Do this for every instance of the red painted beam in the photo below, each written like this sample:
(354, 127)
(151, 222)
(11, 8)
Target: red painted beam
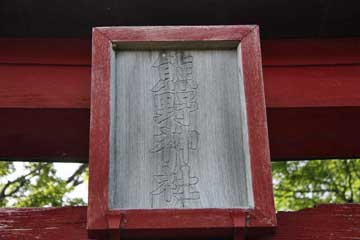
(46, 51)
(314, 133)
(295, 133)
(44, 134)
(44, 86)
(324, 222)
(311, 91)
(312, 86)
(58, 86)
(280, 52)
(43, 223)
(309, 52)
(40, 73)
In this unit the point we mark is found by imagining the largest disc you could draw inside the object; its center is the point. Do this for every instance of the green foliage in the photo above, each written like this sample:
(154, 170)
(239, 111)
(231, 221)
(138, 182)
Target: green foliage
(297, 184)
(304, 184)
(6, 168)
(38, 186)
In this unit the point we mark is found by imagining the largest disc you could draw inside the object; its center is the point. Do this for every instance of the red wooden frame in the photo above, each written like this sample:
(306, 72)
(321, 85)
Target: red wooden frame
(100, 217)
(325, 222)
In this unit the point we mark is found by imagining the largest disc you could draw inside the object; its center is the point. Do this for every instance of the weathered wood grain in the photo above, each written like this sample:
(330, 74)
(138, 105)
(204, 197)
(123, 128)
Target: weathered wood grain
(43, 223)
(215, 157)
(326, 222)
(104, 72)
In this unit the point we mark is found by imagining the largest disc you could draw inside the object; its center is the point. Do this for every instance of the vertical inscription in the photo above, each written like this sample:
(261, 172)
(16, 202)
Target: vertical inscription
(175, 104)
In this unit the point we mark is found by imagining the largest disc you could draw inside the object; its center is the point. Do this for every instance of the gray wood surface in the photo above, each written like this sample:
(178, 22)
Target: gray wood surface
(178, 135)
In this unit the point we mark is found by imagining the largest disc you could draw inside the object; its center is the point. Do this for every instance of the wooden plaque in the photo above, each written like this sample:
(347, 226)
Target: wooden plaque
(178, 127)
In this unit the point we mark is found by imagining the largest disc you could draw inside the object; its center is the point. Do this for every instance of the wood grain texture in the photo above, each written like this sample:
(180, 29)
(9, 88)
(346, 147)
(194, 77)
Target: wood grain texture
(43, 223)
(264, 208)
(99, 215)
(326, 222)
(215, 157)
(99, 132)
(176, 33)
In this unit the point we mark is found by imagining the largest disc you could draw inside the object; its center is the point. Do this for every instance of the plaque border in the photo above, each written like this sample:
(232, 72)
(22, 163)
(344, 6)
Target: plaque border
(99, 216)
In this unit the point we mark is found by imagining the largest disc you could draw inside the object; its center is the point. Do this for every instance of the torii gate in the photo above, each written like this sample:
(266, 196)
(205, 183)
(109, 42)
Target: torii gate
(313, 110)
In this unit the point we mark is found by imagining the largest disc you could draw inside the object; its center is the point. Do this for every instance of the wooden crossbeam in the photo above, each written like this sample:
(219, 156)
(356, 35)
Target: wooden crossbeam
(311, 91)
(323, 222)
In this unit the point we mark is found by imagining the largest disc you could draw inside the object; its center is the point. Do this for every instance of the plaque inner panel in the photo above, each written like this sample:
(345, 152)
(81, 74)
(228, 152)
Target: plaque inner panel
(178, 130)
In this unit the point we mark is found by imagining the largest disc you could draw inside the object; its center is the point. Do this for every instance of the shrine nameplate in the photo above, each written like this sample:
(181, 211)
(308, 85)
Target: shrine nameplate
(179, 133)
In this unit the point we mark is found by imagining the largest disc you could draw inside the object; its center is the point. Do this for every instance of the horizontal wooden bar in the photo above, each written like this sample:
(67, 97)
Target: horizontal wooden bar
(324, 222)
(311, 91)
(312, 86)
(63, 134)
(280, 52)
(54, 73)
(45, 51)
(308, 52)
(314, 133)
(43, 223)
(58, 86)
(44, 134)
(44, 86)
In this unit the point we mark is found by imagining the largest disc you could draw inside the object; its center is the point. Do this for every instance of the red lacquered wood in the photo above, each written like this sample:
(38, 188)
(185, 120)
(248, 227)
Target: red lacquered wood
(296, 52)
(264, 212)
(279, 52)
(178, 33)
(291, 79)
(326, 222)
(44, 134)
(54, 86)
(99, 132)
(313, 133)
(99, 216)
(160, 219)
(44, 86)
(45, 51)
(43, 223)
(318, 88)
(312, 86)
(294, 133)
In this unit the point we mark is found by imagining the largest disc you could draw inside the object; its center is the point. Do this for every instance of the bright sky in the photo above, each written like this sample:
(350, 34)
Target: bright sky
(65, 170)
